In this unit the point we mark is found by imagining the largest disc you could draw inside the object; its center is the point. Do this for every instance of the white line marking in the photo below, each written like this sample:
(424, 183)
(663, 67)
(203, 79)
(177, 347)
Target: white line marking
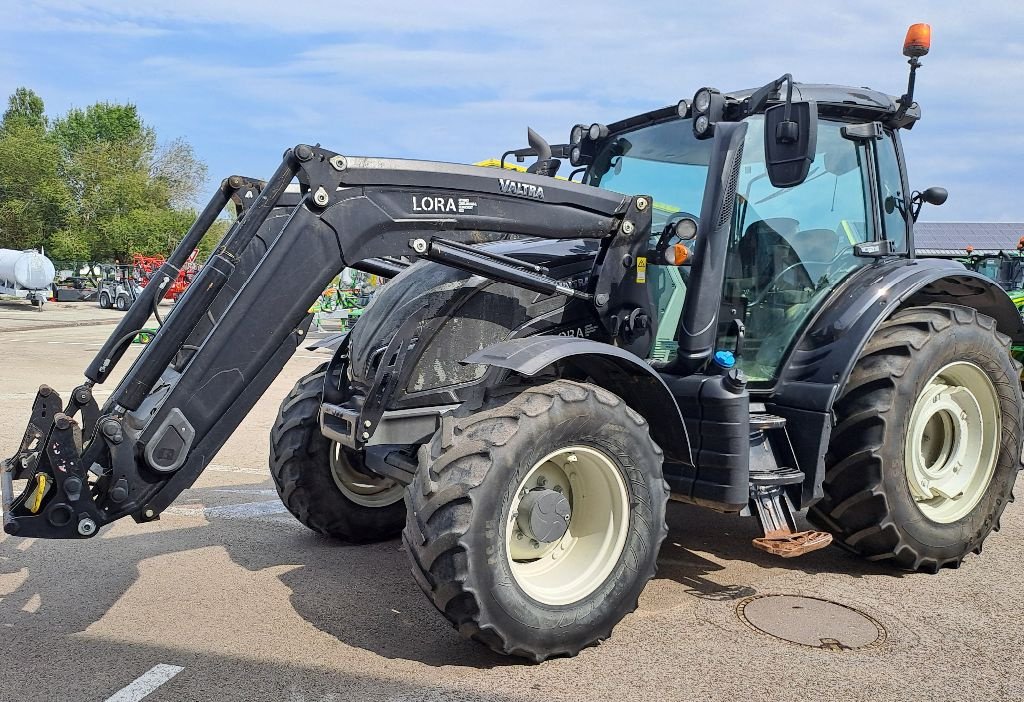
(244, 510)
(145, 683)
(247, 510)
(224, 468)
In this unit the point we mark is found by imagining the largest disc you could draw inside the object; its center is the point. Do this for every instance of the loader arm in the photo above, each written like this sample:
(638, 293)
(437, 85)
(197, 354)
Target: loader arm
(172, 412)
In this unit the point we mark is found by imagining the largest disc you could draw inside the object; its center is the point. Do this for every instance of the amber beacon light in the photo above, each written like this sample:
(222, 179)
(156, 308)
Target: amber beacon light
(918, 41)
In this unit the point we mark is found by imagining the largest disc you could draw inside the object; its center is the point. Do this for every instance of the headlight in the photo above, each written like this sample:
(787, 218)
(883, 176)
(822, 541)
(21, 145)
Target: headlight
(683, 108)
(576, 156)
(576, 136)
(702, 100)
(701, 125)
(686, 228)
(597, 131)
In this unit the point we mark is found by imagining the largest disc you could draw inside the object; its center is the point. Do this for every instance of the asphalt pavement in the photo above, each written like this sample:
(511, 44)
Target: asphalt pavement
(227, 597)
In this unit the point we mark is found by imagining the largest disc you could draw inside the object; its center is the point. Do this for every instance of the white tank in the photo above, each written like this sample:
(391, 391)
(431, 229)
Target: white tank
(28, 270)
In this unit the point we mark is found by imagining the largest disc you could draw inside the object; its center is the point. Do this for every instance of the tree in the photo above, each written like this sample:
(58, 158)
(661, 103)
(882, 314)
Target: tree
(102, 122)
(92, 184)
(34, 199)
(24, 109)
(177, 168)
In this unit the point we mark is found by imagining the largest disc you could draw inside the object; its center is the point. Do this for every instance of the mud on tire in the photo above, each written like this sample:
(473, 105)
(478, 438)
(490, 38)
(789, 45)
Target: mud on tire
(300, 463)
(459, 515)
(868, 503)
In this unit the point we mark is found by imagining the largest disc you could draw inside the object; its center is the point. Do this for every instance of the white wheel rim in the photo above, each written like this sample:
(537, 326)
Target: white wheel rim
(953, 442)
(363, 489)
(567, 570)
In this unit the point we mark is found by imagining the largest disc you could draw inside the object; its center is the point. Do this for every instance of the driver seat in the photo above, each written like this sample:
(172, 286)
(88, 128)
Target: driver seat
(762, 253)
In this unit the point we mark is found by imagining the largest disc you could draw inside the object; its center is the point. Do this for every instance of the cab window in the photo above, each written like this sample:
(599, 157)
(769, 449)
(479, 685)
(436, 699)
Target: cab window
(894, 200)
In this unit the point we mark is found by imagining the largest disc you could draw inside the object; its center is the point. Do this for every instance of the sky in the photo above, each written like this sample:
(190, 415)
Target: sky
(460, 81)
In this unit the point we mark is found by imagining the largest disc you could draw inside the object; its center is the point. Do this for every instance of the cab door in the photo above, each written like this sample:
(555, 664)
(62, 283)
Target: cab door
(790, 247)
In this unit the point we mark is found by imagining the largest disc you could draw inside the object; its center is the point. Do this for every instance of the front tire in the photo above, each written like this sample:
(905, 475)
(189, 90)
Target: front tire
(104, 301)
(926, 447)
(319, 481)
(485, 530)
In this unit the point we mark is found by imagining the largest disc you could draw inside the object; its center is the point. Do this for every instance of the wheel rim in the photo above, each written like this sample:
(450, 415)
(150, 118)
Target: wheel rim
(953, 442)
(567, 569)
(363, 489)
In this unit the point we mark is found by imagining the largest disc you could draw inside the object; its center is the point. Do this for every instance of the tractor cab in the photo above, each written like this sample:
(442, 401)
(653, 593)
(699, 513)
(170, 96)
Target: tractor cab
(790, 244)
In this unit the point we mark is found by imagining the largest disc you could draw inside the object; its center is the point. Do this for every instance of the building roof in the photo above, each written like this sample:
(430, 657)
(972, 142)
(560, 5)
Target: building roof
(953, 238)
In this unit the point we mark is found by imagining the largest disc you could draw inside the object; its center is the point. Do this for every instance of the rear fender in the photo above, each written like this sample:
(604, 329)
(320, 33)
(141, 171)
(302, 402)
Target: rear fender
(824, 355)
(610, 367)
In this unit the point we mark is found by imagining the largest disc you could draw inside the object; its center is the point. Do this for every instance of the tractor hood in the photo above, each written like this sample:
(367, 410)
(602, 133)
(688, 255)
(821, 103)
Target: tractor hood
(475, 312)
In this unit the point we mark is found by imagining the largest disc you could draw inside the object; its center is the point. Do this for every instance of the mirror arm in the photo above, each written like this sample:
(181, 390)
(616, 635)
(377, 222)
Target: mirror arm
(916, 203)
(760, 96)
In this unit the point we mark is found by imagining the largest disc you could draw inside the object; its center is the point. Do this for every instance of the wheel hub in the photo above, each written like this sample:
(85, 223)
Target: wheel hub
(952, 442)
(544, 515)
(363, 489)
(566, 525)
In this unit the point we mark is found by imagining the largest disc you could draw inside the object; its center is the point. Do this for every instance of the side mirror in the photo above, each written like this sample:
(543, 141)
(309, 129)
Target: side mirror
(790, 137)
(934, 195)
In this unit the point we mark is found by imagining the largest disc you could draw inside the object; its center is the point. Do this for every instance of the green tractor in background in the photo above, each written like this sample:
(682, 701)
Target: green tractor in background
(1006, 268)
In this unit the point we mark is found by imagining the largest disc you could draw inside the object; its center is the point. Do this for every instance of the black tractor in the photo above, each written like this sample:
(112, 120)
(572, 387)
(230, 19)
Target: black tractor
(726, 311)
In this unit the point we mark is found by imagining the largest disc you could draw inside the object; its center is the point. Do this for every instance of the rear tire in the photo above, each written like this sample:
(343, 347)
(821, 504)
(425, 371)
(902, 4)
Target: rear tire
(926, 447)
(563, 441)
(320, 482)
(122, 303)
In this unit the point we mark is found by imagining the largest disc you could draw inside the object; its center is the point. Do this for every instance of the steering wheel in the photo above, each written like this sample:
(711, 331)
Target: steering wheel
(844, 251)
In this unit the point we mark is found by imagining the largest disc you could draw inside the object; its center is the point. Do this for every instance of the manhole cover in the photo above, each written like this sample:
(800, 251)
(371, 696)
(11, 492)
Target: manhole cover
(810, 621)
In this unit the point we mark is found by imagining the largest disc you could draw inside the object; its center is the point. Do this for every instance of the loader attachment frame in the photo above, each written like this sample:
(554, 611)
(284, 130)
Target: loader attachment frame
(246, 312)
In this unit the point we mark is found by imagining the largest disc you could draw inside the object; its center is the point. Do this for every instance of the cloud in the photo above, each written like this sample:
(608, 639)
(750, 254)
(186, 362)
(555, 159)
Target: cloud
(460, 80)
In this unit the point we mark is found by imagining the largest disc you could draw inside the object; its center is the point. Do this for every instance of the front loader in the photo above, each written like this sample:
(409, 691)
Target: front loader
(750, 333)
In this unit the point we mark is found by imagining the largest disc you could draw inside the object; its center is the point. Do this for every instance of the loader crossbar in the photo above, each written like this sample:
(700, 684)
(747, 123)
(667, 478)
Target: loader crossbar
(241, 319)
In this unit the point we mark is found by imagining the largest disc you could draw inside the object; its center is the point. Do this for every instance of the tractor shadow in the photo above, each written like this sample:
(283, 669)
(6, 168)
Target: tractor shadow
(365, 597)
(694, 530)
(362, 595)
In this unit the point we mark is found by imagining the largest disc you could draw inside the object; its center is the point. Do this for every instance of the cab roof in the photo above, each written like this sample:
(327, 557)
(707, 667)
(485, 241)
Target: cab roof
(836, 101)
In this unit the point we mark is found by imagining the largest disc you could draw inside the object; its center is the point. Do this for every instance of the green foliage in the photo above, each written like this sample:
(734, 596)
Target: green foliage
(24, 109)
(34, 200)
(102, 122)
(208, 242)
(92, 184)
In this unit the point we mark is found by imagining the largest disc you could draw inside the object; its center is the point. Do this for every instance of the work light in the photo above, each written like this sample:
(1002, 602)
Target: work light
(708, 106)
(702, 100)
(597, 131)
(576, 136)
(701, 126)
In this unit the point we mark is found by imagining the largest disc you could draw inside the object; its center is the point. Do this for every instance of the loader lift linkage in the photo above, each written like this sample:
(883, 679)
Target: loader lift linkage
(169, 415)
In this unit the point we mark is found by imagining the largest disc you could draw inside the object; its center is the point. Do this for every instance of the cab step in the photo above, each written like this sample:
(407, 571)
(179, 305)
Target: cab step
(772, 468)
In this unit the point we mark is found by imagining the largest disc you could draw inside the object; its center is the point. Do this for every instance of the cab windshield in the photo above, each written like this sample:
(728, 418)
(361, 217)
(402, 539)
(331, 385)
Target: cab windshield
(788, 247)
(664, 161)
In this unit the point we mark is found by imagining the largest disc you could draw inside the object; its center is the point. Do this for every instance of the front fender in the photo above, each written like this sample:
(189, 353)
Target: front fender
(824, 355)
(610, 367)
